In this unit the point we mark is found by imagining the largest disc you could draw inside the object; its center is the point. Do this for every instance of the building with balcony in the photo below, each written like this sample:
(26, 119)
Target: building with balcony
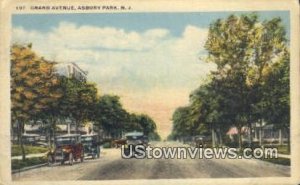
(71, 70)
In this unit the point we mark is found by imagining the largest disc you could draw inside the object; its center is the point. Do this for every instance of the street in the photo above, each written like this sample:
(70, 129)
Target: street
(111, 166)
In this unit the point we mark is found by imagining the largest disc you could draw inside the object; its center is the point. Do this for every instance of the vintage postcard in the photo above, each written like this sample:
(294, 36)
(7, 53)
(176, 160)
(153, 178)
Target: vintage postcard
(150, 92)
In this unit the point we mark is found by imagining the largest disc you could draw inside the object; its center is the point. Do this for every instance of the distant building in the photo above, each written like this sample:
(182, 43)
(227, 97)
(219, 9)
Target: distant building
(71, 70)
(268, 133)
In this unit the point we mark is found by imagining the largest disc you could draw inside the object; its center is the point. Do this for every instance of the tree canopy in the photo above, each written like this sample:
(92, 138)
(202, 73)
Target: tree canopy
(251, 83)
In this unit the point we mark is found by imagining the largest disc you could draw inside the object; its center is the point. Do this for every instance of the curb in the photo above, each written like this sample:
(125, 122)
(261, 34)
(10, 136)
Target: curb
(28, 168)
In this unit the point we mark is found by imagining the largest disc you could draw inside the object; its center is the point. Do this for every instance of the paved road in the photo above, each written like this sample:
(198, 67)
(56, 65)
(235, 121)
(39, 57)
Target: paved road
(112, 167)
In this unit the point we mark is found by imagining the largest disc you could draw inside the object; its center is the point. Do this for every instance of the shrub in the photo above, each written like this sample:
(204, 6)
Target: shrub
(107, 145)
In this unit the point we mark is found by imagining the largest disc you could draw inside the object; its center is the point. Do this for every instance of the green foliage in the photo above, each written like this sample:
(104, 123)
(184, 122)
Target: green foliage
(110, 114)
(16, 150)
(19, 164)
(40, 94)
(154, 136)
(34, 87)
(251, 82)
(114, 119)
(107, 145)
(79, 100)
(276, 96)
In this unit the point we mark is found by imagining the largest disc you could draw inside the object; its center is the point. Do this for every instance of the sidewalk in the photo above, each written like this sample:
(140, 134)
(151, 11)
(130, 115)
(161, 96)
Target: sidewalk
(29, 156)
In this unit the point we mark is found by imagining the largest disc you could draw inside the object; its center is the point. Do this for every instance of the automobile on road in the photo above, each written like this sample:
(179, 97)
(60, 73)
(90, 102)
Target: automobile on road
(91, 145)
(201, 141)
(66, 148)
(134, 139)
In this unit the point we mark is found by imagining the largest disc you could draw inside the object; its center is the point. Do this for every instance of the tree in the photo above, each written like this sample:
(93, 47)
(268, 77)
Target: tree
(276, 96)
(154, 136)
(244, 49)
(210, 110)
(147, 125)
(79, 100)
(33, 87)
(183, 125)
(110, 115)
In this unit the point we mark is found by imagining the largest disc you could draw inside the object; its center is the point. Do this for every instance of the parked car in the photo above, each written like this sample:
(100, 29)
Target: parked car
(91, 145)
(66, 148)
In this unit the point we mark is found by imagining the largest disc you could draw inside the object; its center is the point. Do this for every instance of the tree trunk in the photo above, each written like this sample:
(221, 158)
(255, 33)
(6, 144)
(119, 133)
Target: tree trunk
(280, 136)
(23, 151)
(76, 127)
(260, 133)
(213, 141)
(18, 132)
(21, 141)
(220, 138)
(54, 128)
(288, 140)
(250, 134)
(240, 137)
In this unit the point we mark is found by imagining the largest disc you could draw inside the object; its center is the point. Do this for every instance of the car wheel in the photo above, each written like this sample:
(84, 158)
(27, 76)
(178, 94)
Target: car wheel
(71, 159)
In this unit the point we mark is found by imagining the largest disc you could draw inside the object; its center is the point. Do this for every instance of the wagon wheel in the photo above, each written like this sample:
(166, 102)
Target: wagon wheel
(71, 159)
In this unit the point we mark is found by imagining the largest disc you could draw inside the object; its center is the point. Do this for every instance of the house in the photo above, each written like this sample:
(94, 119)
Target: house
(268, 134)
(70, 70)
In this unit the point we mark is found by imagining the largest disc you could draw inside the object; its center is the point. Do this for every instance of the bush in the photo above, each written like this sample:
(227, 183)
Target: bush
(107, 145)
(16, 150)
(18, 164)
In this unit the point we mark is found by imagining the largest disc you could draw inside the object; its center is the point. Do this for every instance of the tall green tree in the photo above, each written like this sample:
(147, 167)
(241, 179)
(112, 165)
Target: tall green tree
(210, 109)
(276, 96)
(244, 48)
(183, 125)
(111, 116)
(79, 100)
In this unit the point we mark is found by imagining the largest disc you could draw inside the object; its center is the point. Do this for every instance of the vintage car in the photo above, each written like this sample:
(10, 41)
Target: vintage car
(66, 148)
(119, 142)
(133, 139)
(91, 145)
(201, 141)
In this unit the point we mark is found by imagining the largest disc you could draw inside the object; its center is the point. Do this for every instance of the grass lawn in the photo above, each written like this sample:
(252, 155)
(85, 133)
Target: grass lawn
(18, 164)
(16, 150)
(280, 160)
(282, 149)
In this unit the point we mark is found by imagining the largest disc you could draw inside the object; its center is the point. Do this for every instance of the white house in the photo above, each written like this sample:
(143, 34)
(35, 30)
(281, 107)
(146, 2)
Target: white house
(71, 69)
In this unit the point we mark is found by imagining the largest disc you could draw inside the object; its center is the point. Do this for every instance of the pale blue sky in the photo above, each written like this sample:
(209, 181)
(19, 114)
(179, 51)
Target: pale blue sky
(151, 60)
(175, 22)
